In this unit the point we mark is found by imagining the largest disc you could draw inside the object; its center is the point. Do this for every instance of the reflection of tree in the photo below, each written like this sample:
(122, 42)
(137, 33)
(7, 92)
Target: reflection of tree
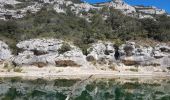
(90, 87)
(78, 85)
(118, 94)
(65, 82)
(37, 93)
(129, 96)
(60, 96)
(108, 96)
(45, 95)
(84, 96)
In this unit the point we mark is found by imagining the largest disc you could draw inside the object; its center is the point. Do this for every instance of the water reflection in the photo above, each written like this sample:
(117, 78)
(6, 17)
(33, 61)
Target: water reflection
(91, 89)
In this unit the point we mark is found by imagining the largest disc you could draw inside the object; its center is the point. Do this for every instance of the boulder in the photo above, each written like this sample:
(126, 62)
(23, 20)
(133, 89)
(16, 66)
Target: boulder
(137, 60)
(90, 58)
(133, 60)
(163, 48)
(24, 58)
(109, 48)
(128, 49)
(131, 49)
(97, 50)
(158, 54)
(43, 52)
(161, 51)
(101, 52)
(40, 46)
(5, 52)
(144, 50)
(74, 55)
(165, 61)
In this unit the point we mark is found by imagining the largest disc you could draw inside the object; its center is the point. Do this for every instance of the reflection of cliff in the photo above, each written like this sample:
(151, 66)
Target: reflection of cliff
(100, 89)
(39, 89)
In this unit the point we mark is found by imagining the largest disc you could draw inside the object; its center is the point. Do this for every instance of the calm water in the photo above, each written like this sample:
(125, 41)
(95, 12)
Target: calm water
(90, 89)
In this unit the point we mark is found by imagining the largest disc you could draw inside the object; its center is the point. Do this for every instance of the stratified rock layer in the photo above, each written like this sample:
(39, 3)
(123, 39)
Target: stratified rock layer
(46, 51)
(55, 52)
(130, 54)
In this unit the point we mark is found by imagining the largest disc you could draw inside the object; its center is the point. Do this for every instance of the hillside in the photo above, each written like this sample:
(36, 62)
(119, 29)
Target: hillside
(57, 38)
(80, 22)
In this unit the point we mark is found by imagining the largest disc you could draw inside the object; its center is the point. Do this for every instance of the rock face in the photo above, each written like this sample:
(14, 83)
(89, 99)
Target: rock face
(101, 53)
(145, 55)
(46, 52)
(124, 7)
(55, 52)
(5, 52)
(119, 5)
(129, 54)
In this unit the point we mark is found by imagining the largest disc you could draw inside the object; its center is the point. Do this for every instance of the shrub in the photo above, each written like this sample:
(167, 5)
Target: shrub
(39, 64)
(65, 63)
(8, 6)
(17, 69)
(64, 48)
(8, 66)
(133, 70)
(128, 49)
(112, 67)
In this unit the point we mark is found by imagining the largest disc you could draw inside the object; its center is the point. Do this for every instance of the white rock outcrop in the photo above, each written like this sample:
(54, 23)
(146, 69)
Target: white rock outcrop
(150, 10)
(46, 52)
(129, 54)
(145, 55)
(55, 52)
(102, 53)
(61, 6)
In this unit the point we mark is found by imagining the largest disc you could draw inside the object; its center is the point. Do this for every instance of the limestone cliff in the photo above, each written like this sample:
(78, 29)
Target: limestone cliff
(18, 9)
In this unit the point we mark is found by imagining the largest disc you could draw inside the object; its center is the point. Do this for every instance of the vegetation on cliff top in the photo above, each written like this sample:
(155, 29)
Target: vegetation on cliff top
(68, 26)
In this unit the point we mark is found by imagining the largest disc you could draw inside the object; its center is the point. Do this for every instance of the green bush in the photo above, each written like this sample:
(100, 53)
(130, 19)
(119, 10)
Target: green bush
(133, 70)
(64, 48)
(8, 6)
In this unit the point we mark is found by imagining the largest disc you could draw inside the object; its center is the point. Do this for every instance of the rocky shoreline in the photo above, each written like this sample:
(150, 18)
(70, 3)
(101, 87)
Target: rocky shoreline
(54, 57)
(84, 74)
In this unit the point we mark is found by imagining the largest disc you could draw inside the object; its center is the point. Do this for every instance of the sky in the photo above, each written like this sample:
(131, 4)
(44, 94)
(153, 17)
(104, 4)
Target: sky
(163, 4)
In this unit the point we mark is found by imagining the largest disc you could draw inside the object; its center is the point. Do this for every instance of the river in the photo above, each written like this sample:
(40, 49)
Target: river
(146, 88)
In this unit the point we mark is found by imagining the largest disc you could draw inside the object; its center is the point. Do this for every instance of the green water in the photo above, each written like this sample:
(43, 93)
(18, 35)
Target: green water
(91, 89)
